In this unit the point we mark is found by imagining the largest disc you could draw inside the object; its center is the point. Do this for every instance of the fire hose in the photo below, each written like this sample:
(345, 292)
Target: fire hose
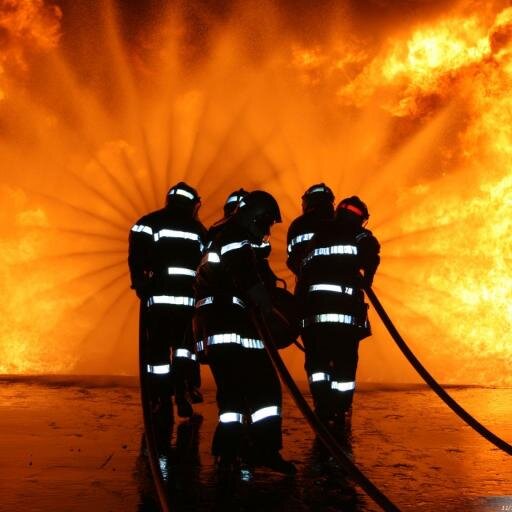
(149, 426)
(427, 377)
(329, 441)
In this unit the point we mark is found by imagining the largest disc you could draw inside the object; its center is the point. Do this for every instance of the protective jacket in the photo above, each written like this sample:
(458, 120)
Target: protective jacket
(331, 282)
(228, 272)
(262, 250)
(334, 315)
(300, 233)
(228, 284)
(165, 248)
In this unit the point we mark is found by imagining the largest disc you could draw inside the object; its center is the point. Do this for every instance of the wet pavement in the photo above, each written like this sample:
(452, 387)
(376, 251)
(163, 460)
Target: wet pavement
(77, 445)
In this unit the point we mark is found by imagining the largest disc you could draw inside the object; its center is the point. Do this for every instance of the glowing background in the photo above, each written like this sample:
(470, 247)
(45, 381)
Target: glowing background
(407, 105)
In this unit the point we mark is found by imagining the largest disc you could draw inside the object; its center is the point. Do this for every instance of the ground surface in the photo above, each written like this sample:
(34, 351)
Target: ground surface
(75, 445)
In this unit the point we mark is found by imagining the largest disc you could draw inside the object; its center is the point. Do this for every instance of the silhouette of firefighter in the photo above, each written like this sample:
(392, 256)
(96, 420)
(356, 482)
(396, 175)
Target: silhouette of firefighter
(341, 259)
(261, 249)
(165, 248)
(229, 287)
(230, 206)
(317, 207)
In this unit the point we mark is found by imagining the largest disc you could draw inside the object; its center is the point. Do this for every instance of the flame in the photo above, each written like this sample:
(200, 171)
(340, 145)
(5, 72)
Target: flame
(416, 120)
(432, 61)
(26, 27)
(22, 345)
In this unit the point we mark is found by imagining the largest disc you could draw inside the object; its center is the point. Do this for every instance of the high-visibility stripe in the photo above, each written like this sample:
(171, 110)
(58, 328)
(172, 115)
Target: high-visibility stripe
(184, 353)
(211, 300)
(233, 246)
(175, 300)
(181, 192)
(245, 475)
(343, 386)
(323, 287)
(181, 271)
(231, 417)
(299, 239)
(238, 302)
(332, 250)
(319, 377)
(212, 257)
(317, 189)
(204, 302)
(159, 369)
(230, 338)
(252, 343)
(219, 339)
(329, 318)
(176, 233)
(163, 462)
(265, 412)
(263, 245)
(233, 199)
(141, 228)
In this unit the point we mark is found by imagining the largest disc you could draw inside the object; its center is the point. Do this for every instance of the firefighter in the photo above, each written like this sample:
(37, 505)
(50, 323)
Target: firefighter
(341, 259)
(230, 206)
(228, 288)
(317, 207)
(165, 248)
(262, 250)
(233, 200)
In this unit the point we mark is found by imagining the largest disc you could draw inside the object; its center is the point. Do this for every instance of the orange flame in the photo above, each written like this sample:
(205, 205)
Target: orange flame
(418, 124)
(26, 26)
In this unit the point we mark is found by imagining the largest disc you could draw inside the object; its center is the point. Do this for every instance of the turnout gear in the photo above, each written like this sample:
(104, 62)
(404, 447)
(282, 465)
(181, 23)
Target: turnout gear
(233, 200)
(184, 198)
(228, 285)
(284, 323)
(261, 248)
(334, 316)
(317, 207)
(353, 205)
(165, 248)
(257, 212)
(317, 196)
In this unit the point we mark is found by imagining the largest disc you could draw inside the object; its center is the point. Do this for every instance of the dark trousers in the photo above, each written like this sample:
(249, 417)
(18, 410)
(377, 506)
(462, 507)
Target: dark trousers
(168, 329)
(247, 385)
(331, 364)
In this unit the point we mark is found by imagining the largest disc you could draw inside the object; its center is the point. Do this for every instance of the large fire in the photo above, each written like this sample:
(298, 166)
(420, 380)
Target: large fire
(101, 110)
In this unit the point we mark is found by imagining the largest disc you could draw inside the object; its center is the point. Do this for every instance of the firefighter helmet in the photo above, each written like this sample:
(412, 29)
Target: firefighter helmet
(233, 200)
(257, 212)
(317, 196)
(355, 205)
(183, 197)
